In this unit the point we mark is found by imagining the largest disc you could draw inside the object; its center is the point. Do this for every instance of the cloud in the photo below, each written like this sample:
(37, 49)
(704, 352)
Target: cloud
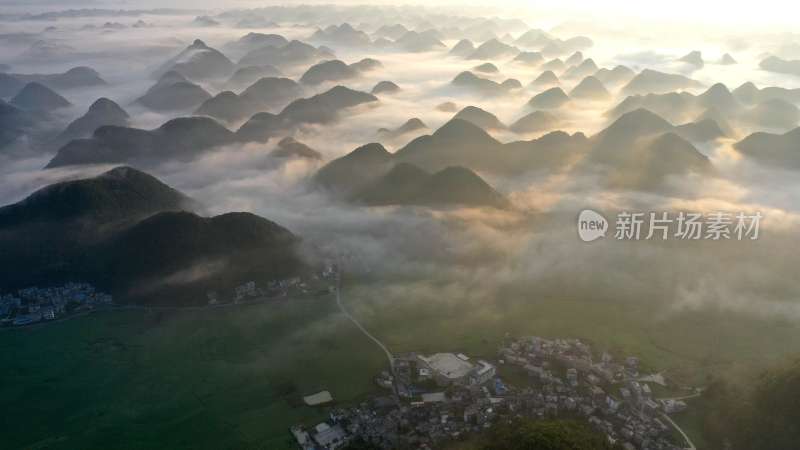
(457, 255)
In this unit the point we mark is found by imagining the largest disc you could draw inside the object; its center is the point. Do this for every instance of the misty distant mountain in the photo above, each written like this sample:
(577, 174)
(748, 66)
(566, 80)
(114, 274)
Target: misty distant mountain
(554, 65)
(245, 76)
(779, 150)
(462, 143)
(463, 48)
(749, 94)
(382, 44)
(9, 85)
(173, 92)
(494, 49)
(413, 41)
(293, 54)
(574, 59)
(545, 79)
(265, 94)
(39, 98)
(392, 32)
(678, 106)
(614, 77)
(695, 58)
(336, 70)
(343, 34)
(458, 142)
(288, 147)
(747, 105)
(321, 108)
(481, 118)
(254, 41)
(324, 107)
(484, 86)
(271, 92)
(535, 122)
(400, 185)
(773, 113)
(14, 123)
(651, 81)
(584, 69)
(529, 58)
(640, 136)
(366, 65)
(703, 130)
(205, 21)
(182, 138)
(198, 62)
(727, 60)
(411, 125)
(534, 39)
(256, 22)
(406, 184)
(486, 68)
(76, 77)
(640, 149)
(779, 65)
(590, 88)
(718, 96)
(226, 107)
(349, 174)
(385, 87)
(129, 234)
(551, 46)
(550, 99)
(102, 112)
(46, 50)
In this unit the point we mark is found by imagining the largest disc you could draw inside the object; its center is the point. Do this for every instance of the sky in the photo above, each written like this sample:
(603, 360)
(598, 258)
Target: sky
(518, 248)
(765, 13)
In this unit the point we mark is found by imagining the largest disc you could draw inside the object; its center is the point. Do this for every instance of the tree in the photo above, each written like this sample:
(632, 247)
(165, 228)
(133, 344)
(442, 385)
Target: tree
(521, 434)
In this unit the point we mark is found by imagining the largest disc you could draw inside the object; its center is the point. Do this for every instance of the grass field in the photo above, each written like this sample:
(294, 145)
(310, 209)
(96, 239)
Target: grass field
(222, 378)
(234, 377)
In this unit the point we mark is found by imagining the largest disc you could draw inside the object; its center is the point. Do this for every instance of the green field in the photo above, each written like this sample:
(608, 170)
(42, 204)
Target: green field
(222, 378)
(234, 377)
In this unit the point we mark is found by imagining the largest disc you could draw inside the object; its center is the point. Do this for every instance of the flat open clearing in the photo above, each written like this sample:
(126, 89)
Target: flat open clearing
(235, 377)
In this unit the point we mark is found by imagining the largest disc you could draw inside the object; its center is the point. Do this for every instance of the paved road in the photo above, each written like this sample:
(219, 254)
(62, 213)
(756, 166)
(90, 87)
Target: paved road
(684, 397)
(685, 437)
(377, 341)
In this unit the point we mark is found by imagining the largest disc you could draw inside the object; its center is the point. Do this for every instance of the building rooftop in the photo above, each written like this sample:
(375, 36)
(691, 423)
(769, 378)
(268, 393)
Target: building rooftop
(448, 365)
(318, 398)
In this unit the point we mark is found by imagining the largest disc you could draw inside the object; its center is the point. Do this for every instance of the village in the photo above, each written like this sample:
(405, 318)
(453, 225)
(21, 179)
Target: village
(37, 304)
(431, 400)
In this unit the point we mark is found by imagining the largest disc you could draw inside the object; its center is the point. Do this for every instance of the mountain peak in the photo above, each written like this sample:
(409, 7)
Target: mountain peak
(36, 96)
(459, 129)
(121, 193)
(479, 117)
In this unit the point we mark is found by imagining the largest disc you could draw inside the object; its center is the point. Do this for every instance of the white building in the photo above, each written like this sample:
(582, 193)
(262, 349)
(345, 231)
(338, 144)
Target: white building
(449, 368)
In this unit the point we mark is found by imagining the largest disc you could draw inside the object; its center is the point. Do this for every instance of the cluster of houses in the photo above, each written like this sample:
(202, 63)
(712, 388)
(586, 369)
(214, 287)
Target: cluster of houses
(36, 304)
(445, 396)
(320, 282)
(611, 395)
